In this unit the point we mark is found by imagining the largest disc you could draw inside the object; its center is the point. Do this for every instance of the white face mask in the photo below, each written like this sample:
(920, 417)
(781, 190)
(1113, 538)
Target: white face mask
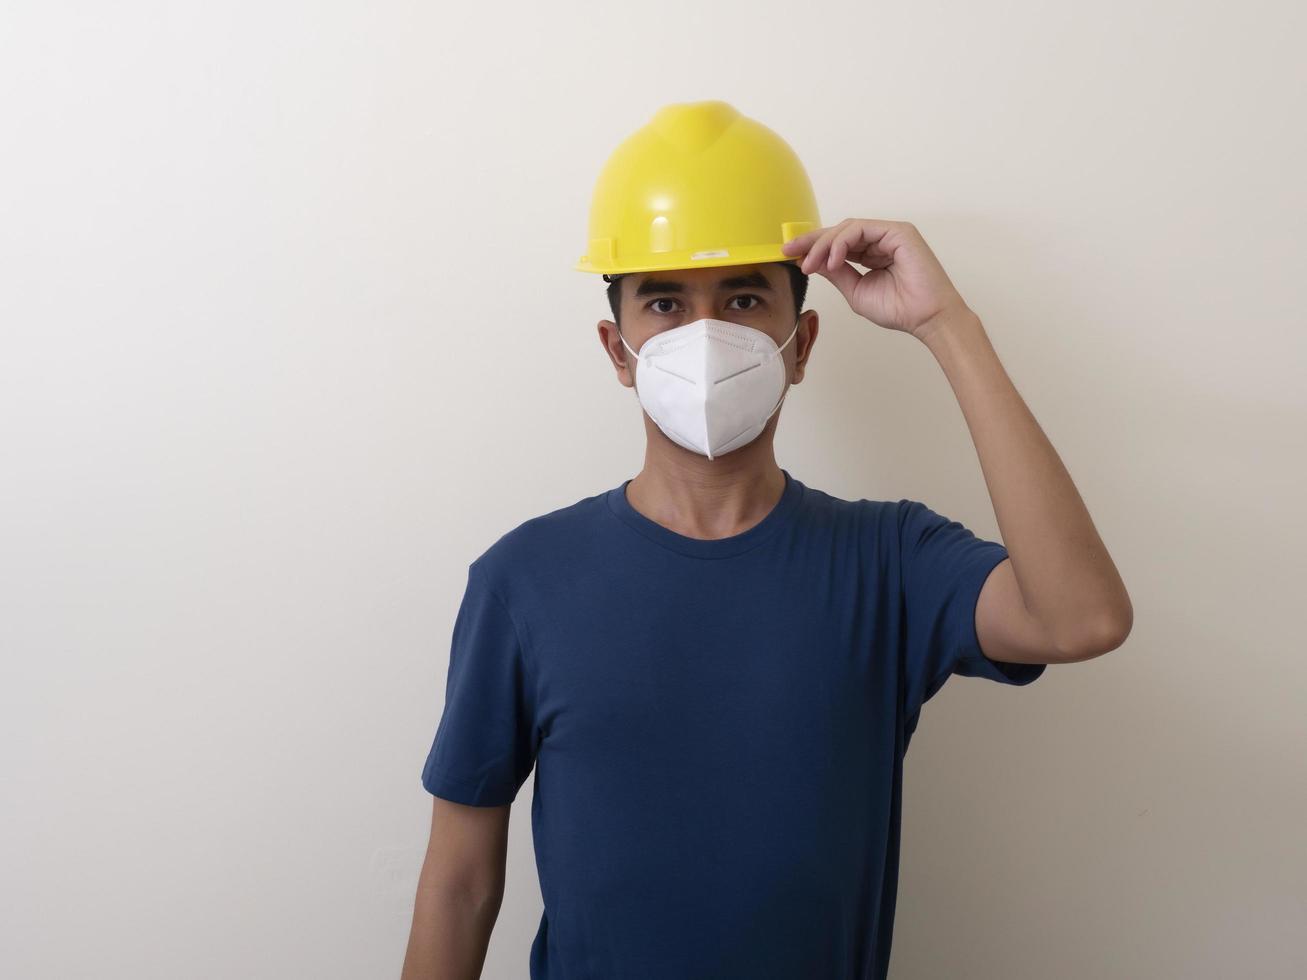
(711, 385)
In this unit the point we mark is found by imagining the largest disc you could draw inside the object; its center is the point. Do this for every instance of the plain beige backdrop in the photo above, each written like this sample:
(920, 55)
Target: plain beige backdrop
(291, 335)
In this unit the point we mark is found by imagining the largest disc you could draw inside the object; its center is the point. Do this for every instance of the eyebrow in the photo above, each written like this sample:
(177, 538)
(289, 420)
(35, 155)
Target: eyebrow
(754, 280)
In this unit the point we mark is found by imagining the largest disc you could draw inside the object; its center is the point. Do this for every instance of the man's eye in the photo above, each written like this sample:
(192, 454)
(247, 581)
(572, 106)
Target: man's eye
(653, 304)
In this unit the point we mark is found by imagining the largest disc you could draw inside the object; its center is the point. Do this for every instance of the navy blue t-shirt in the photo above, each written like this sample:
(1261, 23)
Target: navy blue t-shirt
(717, 727)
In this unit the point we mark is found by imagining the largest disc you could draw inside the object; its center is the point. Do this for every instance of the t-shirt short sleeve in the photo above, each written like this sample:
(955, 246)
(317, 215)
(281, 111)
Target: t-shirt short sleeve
(485, 742)
(943, 567)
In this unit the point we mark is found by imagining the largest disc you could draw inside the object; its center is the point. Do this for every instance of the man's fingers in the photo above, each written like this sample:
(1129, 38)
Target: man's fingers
(801, 243)
(817, 254)
(852, 237)
(852, 240)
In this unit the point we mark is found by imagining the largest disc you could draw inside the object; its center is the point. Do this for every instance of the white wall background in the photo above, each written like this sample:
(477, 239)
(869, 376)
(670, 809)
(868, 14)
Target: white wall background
(280, 288)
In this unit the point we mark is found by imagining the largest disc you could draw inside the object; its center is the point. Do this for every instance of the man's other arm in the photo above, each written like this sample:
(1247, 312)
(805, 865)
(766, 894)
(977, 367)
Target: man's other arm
(459, 892)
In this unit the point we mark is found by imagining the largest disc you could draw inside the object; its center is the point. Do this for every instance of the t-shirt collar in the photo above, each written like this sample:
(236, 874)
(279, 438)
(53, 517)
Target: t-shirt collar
(779, 515)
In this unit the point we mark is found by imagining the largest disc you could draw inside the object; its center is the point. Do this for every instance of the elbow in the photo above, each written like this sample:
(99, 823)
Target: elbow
(1103, 635)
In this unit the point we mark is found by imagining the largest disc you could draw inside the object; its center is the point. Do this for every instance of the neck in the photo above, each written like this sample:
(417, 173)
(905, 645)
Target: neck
(702, 498)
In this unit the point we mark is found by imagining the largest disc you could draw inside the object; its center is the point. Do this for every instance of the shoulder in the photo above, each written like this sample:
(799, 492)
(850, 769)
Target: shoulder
(887, 526)
(916, 522)
(541, 544)
(866, 514)
(861, 529)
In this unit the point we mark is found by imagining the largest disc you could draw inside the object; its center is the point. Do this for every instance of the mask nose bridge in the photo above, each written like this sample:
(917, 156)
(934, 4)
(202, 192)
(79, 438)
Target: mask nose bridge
(621, 336)
(649, 340)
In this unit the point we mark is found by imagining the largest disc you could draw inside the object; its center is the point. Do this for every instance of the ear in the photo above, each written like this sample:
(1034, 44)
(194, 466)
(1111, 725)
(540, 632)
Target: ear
(803, 341)
(621, 358)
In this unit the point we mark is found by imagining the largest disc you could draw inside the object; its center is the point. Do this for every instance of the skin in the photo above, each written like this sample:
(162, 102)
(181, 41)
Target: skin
(460, 890)
(1056, 599)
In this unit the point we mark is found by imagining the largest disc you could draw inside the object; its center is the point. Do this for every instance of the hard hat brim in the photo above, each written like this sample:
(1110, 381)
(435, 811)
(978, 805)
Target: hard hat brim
(750, 255)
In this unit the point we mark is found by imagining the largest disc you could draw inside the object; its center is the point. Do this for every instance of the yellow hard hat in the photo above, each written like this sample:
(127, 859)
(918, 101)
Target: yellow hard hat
(698, 185)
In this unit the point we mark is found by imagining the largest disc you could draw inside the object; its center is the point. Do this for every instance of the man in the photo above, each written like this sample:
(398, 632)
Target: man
(714, 669)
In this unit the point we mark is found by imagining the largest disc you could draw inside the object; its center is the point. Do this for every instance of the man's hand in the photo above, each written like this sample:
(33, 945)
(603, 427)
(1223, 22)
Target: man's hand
(905, 287)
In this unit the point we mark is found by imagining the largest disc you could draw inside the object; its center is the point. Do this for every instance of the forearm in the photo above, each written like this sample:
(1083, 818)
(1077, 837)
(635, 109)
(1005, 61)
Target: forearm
(1067, 578)
(450, 933)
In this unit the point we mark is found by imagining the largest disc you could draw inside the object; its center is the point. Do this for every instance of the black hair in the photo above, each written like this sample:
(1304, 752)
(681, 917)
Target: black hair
(798, 285)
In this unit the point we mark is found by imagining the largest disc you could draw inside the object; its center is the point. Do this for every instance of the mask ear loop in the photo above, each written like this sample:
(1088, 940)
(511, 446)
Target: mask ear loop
(788, 339)
(635, 388)
(787, 385)
(628, 347)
